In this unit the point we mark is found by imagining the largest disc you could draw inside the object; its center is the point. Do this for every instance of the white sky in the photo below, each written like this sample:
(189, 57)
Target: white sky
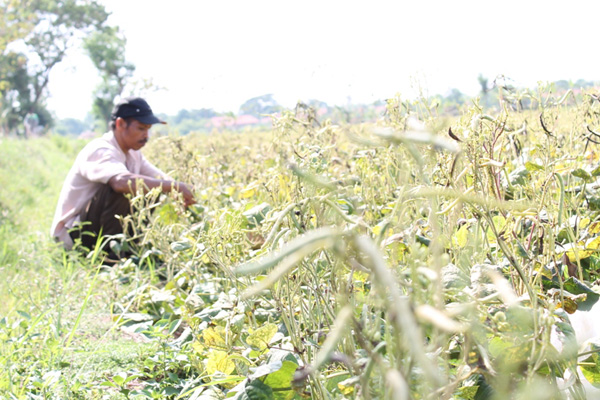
(219, 53)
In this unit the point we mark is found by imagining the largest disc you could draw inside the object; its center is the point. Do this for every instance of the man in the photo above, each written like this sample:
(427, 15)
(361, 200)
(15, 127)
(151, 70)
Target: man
(105, 170)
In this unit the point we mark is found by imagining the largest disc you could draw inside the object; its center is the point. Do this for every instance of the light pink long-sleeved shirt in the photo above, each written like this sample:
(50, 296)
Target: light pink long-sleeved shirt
(98, 161)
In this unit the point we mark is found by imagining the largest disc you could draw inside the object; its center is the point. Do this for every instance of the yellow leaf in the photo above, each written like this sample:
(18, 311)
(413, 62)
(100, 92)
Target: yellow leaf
(570, 306)
(360, 276)
(214, 337)
(198, 348)
(346, 390)
(284, 187)
(376, 230)
(460, 237)
(578, 252)
(347, 386)
(260, 338)
(218, 360)
(388, 208)
(593, 244)
(247, 193)
(594, 227)
(499, 224)
(584, 223)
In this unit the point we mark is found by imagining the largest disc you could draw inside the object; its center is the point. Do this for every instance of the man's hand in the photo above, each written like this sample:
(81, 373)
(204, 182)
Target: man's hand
(188, 196)
(127, 183)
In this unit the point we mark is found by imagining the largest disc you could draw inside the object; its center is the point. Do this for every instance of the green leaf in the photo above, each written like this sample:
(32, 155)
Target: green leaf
(522, 251)
(173, 377)
(568, 339)
(519, 176)
(255, 216)
(40, 385)
(533, 167)
(167, 214)
(485, 391)
(497, 346)
(499, 224)
(174, 325)
(130, 378)
(339, 383)
(280, 381)
(583, 174)
(575, 286)
(346, 205)
(590, 367)
(593, 202)
(454, 277)
(266, 369)
(256, 390)
(119, 379)
(129, 319)
(468, 392)
(181, 245)
(170, 391)
(23, 314)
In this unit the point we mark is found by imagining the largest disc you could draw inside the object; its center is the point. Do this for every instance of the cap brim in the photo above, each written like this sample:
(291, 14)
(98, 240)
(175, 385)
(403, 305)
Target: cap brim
(149, 119)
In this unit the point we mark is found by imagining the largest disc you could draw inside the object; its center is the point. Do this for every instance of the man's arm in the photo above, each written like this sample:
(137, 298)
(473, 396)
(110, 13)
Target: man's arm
(126, 183)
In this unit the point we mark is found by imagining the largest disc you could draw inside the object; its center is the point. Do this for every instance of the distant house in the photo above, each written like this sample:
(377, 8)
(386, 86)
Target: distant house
(220, 122)
(246, 120)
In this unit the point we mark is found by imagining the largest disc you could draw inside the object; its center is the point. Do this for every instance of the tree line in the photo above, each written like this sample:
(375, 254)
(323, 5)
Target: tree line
(35, 36)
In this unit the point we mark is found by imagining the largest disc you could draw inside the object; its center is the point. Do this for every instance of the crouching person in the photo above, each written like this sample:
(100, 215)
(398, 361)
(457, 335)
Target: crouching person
(107, 169)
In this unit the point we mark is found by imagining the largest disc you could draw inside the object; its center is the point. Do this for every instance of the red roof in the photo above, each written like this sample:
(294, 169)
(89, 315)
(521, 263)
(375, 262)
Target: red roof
(229, 122)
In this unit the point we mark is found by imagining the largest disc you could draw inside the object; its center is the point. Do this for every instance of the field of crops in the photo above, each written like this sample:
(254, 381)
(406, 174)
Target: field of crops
(422, 257)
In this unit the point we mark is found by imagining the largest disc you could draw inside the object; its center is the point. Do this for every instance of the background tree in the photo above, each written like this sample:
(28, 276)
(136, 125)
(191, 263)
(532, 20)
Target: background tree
(39, 34)
(70, 126)
(106, 49)
(201, 114)
(456, 96)
(260, 105)
(489, 93)
(16, 21)
(483, 82)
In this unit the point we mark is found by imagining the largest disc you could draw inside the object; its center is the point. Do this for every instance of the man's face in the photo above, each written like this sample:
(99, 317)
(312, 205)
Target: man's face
(135, 135)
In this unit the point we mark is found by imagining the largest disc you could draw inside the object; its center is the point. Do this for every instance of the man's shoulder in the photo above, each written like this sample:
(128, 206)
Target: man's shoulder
(104, 143)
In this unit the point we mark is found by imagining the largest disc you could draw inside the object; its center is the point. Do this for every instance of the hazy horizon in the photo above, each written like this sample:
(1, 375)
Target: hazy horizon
(218, 55)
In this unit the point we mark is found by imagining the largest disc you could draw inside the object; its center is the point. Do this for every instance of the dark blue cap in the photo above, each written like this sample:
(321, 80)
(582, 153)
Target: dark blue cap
(136, 108)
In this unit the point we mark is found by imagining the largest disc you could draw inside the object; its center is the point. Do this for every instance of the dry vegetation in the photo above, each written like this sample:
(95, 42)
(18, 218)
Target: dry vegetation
(421, 257)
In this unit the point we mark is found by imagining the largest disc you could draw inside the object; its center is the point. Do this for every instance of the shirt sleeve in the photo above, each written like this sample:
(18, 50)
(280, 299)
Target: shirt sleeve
(101, 165)
(148, 169)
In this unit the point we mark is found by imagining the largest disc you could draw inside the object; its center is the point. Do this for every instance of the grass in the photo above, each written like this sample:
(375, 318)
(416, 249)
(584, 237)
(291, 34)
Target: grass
(44, 288)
